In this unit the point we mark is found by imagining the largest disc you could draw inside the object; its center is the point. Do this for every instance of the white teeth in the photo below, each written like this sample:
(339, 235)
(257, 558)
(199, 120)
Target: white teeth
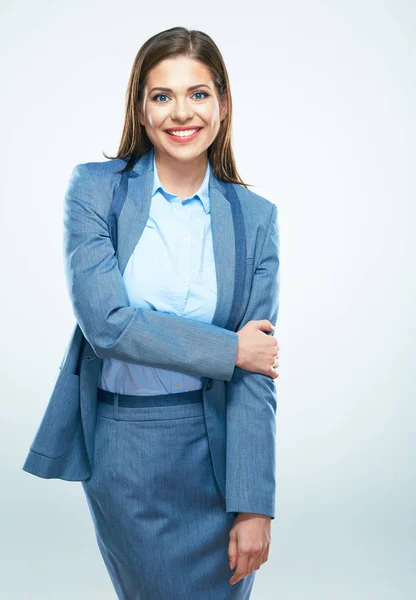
(183, 133)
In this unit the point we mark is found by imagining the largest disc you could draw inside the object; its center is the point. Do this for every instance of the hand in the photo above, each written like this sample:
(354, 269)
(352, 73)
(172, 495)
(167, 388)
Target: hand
(257, 351)
(249, 545)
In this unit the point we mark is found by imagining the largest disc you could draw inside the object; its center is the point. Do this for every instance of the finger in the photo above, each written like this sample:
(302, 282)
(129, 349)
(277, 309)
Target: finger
(241, 570)
(265, 553)
(254, 562)
(273, 373)
(265, 556)
(232, 551)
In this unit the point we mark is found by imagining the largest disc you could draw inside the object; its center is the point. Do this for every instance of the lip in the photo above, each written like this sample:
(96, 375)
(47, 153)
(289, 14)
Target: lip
(183, 128)
(183, 140)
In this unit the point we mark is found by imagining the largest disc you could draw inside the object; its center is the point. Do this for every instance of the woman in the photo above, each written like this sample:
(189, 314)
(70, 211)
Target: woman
(197, 250)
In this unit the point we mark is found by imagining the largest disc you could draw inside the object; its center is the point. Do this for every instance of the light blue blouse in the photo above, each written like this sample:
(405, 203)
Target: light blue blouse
(172, 269)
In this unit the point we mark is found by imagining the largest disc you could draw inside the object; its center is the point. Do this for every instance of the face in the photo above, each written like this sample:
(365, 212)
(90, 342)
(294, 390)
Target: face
(188, 101)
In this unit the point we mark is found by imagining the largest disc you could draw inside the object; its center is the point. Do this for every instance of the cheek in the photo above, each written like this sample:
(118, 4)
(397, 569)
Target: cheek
(212, 118)
(152, 119)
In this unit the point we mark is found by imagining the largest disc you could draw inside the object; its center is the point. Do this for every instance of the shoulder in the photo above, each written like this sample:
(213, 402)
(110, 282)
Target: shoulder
(92, 184)
(255, 207)
(96, 179)
(101, 172)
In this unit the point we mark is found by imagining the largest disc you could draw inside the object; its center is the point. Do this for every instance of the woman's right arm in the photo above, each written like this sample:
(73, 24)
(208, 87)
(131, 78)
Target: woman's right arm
(101, 304)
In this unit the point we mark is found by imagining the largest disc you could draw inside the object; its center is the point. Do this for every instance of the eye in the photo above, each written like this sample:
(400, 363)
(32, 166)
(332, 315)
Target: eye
(157, 96)
(201, 92)
(166, 96)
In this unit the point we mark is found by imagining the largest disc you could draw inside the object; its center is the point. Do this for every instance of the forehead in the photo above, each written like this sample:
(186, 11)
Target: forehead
(178, 74)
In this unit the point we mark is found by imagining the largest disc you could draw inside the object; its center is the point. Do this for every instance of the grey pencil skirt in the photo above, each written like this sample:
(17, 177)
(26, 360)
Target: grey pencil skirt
(158, 514)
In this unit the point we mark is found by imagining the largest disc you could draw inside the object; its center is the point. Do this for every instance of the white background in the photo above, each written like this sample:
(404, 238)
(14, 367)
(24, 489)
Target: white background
(324, 126)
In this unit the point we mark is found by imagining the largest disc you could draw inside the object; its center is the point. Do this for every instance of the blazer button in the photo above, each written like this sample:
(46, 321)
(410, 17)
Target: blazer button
(90, 357)
(209, 384)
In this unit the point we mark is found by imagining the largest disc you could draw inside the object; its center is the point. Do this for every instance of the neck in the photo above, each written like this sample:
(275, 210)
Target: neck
(181, 178)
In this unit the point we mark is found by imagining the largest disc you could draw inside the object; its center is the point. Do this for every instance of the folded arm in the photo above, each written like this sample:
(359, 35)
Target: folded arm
(101, 304)
(251, 400)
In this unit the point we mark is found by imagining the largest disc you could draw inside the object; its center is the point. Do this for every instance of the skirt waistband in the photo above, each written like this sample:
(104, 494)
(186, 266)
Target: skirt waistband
(133, 401)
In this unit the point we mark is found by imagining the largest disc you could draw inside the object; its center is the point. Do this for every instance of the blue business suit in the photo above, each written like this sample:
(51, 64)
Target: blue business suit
(238, 406)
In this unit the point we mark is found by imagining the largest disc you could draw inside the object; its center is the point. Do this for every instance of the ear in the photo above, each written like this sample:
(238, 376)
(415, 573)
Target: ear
(223, 106)
(141, 117)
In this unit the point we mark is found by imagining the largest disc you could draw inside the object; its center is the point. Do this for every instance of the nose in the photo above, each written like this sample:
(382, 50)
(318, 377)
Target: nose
(182, 111)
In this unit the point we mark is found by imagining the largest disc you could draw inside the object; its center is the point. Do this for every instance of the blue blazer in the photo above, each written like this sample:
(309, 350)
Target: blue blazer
(239, 406)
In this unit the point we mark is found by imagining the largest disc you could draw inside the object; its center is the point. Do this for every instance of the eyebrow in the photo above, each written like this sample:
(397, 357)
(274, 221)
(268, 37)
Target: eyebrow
(193, 87)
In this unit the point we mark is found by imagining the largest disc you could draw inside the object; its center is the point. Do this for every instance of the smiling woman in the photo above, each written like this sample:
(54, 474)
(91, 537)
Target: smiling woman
(179, 106)
(165, 404)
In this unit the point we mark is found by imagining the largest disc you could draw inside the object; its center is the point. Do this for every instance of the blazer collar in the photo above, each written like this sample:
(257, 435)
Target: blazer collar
(228, 234)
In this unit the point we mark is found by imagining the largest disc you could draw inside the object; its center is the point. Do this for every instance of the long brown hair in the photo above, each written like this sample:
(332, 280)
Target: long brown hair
(177, 41)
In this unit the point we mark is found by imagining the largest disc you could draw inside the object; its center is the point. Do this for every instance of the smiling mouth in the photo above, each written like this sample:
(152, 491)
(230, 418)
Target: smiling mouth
(183, 132)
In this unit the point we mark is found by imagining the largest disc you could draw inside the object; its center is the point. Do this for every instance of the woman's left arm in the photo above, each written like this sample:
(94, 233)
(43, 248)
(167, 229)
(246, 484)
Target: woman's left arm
(251, 400)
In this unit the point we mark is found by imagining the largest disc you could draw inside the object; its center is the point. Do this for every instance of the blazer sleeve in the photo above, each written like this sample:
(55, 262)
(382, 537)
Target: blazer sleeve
(251, 400)
(101, 304)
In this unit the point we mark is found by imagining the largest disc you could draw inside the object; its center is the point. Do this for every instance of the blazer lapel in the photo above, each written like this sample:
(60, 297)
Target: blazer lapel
(228, 235)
